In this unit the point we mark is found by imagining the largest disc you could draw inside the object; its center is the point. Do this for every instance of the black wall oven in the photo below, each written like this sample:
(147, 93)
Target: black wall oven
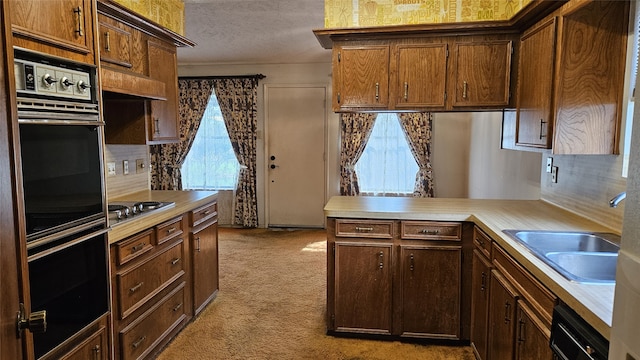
(61, 146)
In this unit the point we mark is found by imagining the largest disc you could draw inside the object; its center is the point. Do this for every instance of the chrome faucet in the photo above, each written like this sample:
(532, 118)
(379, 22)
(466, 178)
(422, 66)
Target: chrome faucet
(616, 199)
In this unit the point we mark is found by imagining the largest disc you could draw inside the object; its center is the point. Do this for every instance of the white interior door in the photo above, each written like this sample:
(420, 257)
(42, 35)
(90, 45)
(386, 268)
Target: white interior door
(295, 138)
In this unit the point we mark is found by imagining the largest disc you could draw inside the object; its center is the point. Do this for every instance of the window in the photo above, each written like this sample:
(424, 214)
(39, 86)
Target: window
(211, 163)
(387, 166)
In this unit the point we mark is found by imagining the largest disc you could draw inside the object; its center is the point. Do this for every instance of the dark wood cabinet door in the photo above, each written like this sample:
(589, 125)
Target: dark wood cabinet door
(163, 127)
(421, 76)
(95, 347)
(430, 285)
(481, 275)
(362, 77)
(204, 247)
(502, 318)
(532, 336)
(60, 27)
(535, 86)
(363, 274)
(482, 73)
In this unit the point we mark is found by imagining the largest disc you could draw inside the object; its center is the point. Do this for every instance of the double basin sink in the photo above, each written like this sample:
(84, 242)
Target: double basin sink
(581, 257)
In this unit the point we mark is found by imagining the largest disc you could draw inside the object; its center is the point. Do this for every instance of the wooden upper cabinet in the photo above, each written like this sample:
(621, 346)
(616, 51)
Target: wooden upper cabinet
(361, 77)
(591, 78)
(420, 75)
(482, 73)
(535, 86)
(163, 66)
(115, 41)
(62, 28)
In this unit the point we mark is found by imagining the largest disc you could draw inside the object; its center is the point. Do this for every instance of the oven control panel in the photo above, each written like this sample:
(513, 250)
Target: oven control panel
(45, 79)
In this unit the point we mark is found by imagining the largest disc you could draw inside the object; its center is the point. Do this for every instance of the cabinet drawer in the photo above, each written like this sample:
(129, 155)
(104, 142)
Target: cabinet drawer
(139, 339)
(380, 229)
(134, 247)
(169, 230)
(140, 283)
(482, 242)
(431, 230)
(203, 214)
(115, 42)
(534, 292)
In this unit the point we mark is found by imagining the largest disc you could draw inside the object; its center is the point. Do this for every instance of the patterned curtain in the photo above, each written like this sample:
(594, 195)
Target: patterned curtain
(355, 131)
(237, 98)
(167, 159)
(417, 130)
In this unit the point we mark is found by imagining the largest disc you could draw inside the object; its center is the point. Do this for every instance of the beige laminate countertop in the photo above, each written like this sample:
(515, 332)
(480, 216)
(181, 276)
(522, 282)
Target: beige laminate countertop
(185, 201)
(594, 302)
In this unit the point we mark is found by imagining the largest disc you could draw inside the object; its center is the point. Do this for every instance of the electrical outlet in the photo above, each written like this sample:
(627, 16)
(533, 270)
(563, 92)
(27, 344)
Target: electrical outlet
(554, 174)
(111, 168)
(125, 167)
(140, 166)
(549, 164)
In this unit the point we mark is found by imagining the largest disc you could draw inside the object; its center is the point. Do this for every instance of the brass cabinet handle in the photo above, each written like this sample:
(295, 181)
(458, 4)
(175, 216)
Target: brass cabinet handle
(406, 91)
(480, 241)
(138, 247)
(175, 261)
(430, 232)
(137, 287)
(139, 341)
(198, 247)
(464, 89)
(411, 265)
(177, 307)
(156, 129)
(377, 92)
(381, 255)
(107, 41)
(206, 212)
(364, 229)
(542, 135)
(171, 231)
(483, 282)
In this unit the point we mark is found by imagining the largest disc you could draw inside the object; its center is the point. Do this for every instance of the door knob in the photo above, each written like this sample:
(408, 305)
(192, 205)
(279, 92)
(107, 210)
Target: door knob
(36, 322)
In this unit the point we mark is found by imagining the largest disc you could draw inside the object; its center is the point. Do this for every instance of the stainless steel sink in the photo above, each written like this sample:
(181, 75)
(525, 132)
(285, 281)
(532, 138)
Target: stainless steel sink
(579, 256)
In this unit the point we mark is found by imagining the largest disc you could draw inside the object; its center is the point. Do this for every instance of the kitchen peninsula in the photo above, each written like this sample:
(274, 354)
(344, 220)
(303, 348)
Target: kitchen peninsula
(389, 221)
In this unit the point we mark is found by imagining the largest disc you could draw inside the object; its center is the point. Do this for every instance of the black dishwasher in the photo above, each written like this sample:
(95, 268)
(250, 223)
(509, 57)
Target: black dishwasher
(572, 338)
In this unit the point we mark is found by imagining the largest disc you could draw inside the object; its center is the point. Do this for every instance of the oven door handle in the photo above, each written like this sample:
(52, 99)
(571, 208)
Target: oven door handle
(64, 245)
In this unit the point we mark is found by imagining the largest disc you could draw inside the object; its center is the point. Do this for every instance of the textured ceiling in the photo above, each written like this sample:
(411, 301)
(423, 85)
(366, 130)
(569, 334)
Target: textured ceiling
(253, 32)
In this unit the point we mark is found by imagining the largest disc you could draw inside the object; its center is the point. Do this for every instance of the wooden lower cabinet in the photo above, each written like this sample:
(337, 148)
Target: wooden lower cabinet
(150, 289)
(532, 335)
(363, 278)
(502, 313)
(511, 310)
(430, 286)
(480, 285)
(204, 255)
(396, 278)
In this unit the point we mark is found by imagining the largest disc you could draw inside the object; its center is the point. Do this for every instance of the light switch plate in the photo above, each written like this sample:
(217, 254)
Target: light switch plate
(111, 168)
(549, 164)
(554, 174)
(125, 167)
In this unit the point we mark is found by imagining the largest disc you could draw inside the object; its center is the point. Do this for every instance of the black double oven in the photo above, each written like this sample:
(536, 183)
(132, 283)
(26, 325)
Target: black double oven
(61, 141)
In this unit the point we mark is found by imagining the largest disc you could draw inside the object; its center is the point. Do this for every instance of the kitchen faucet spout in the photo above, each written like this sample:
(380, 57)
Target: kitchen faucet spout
(617, 199)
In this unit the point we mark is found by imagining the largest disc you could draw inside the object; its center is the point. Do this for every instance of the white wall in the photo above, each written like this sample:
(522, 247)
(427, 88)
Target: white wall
(495, 173)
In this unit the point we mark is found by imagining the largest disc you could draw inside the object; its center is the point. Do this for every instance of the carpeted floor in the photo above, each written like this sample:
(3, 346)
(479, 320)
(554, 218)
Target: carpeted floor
(271, 305)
